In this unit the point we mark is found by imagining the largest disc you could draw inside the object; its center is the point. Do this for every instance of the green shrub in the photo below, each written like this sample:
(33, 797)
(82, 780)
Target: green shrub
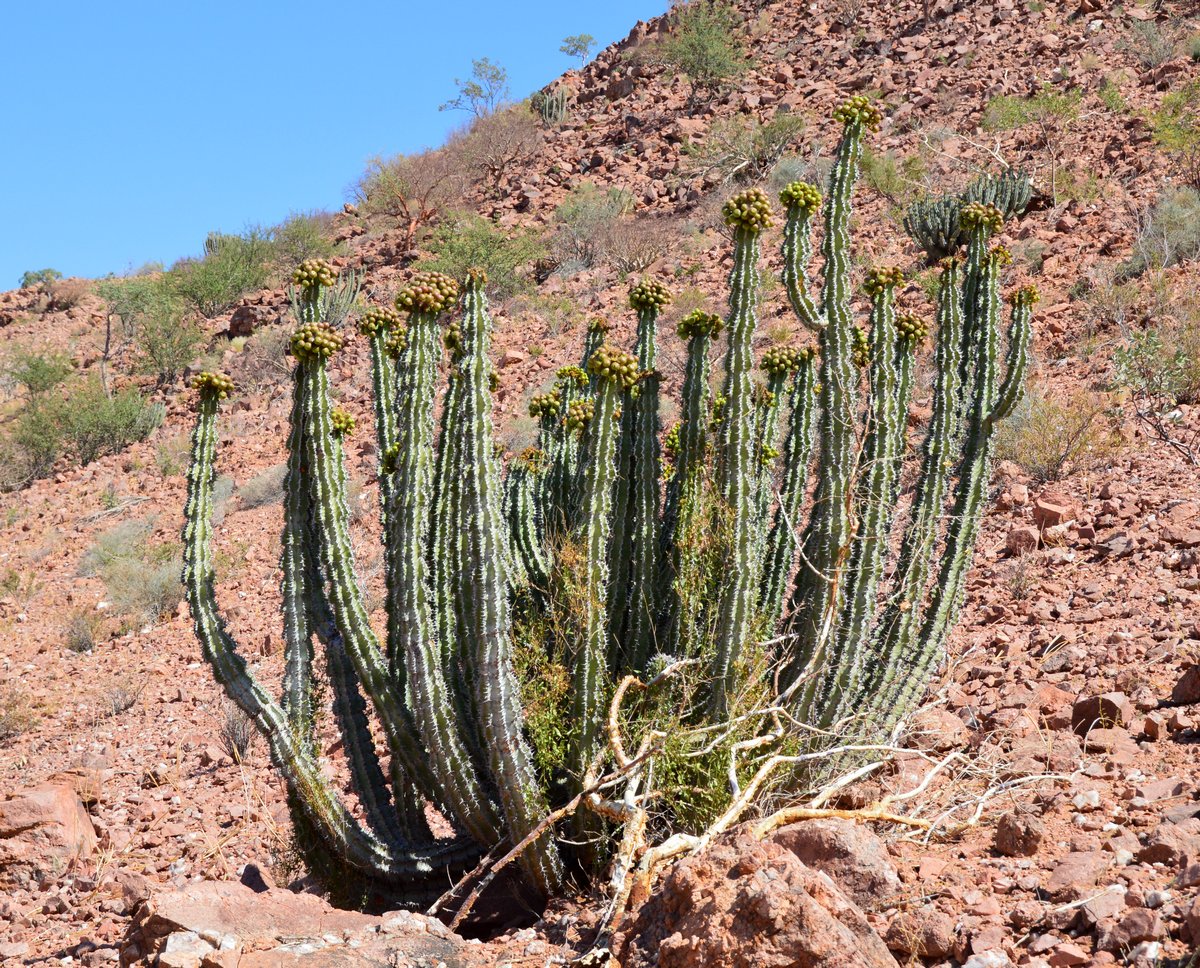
(80, 633)
(705, 46)
(1111, 96)
(1193, 48)
(1053, 112)
(414, 189)
(1176, 127)
(303, 235)
(39, 373)
(470, 241)
(1169, 234)
(483, 92)
(1161, 365)
(232, 266)
(141, 578)
(899, 180)
(94, 424)
(154, 318)
(39, 277)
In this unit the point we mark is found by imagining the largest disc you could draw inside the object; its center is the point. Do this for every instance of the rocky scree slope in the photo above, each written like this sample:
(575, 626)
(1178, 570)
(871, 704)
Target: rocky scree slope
(1082, 608)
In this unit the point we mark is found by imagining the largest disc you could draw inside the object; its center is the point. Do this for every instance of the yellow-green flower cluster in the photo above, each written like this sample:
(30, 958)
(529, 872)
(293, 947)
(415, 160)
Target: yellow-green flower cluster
(860, 348)
(390, 456)
(911, 329)
(649, 294)
(859, 109)
(316, 341)
(428, 292)
(1025, 296)
(452, 340)
(610, 363)
(1001, 255)
(977, 216)
(397, 341)
(572, 374)
(781, 360)
(378, 319)
(314, 273)
(671, 443)
(598, 324)
(748, 211)
(545, 404)
(343, 423)
(212, 386)
(579, 414)
(768, 454)
(802, 196)
(884, 277)
(700, 323)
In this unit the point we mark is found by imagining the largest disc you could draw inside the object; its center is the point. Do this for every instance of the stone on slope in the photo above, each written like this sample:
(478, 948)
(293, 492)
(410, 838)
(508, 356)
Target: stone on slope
(201, 924)
(848, 852)
(43, 833)
(746, 904)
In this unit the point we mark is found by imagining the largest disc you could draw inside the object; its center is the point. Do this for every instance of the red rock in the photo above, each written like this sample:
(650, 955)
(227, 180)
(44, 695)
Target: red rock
(1076, 874)
(1067, 955)
(927, 933)
(1174, 844)
(1051, 509)
(1109, 709)
(848, 852)
(744, 904)
(1018, 835)
(43, 833)
(1187, 689)
(1141, 924)
(937, 729)
(1022, 539)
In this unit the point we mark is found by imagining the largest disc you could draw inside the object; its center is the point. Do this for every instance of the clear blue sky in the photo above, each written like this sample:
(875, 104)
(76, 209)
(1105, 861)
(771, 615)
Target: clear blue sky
(132, 129)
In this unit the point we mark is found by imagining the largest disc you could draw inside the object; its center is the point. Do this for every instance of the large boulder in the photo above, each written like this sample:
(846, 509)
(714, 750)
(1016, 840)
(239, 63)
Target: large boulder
(211, 924)
(44, 832)
(748, 904)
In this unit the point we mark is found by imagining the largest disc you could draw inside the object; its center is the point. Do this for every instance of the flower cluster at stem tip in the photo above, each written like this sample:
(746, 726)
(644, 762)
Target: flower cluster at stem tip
(316, 341)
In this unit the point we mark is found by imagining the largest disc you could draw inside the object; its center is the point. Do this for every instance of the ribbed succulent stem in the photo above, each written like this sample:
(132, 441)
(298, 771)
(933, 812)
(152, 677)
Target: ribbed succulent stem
(797, 253)
(416, 865)
(785, 528)
(489, 628)
(901, 615)
(644, 546)
(687, 481)
(411, 618)
(324, 456)
(890, 386)
(817, 594)
(735, 460)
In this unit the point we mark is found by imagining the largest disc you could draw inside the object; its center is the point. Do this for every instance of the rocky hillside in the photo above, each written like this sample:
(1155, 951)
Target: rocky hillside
(1063, 810)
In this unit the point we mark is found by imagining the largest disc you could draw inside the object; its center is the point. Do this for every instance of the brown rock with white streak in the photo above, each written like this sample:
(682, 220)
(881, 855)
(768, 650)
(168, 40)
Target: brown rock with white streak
(745, 904)
(43, 832)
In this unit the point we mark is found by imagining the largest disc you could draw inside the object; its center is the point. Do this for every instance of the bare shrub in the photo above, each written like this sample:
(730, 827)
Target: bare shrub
(16, 715)
(266, 488)
(633, 245)
(498, 144)
(414, 189)
(236, 734)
